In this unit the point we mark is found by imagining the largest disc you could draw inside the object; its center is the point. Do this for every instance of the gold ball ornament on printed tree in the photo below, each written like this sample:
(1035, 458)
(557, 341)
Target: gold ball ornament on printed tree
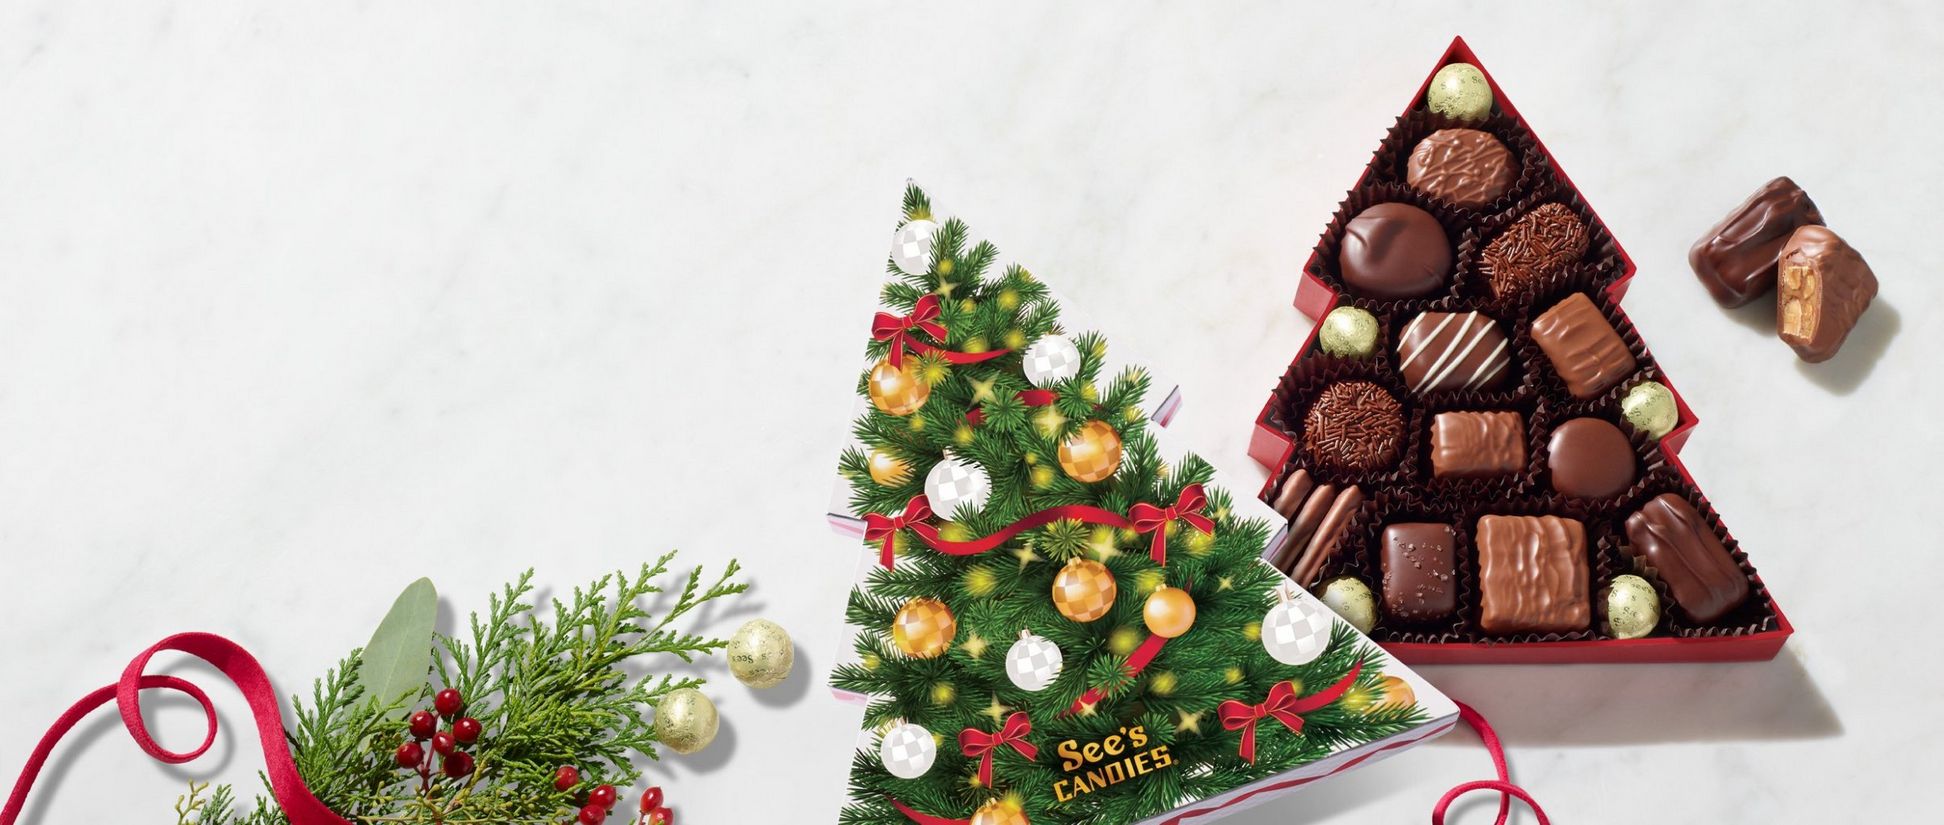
(888, 470)
(897, 391)
(686, 721)
(1169, 612)
(1390, 693)
(1000, 812)
(924, 628)
(1092, 453)
(1084, 590)
(761, 654)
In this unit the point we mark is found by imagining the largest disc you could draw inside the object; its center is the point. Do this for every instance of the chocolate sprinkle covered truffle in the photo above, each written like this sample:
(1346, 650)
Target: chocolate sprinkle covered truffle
(1590, 458)
(1354, 426)
(1465, 167)
(1395, 250)
(1453, 351)
(1538, 244)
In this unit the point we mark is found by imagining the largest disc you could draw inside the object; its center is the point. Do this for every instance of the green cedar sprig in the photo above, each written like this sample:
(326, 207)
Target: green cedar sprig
(548, 693)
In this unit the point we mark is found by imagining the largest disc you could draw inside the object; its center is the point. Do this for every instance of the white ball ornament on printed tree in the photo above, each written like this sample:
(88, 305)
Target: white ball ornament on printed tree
(1050, 360)
(953, 483)
(1032, 663)
(1296, 630)
(911, 247)
(907, 750)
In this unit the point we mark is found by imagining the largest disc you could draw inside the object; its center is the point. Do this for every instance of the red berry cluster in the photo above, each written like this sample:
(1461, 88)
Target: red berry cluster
(599, 801)
(424, 725)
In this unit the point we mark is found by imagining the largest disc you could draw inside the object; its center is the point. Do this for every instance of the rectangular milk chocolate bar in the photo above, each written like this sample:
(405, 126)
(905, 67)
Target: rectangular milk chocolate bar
(1533, 574)
(1583, 348)
(1689, 558)
(1477, 444)
(1736, 259)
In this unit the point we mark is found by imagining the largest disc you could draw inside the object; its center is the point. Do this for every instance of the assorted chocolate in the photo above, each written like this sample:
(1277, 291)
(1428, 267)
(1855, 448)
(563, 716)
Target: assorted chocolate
(1477, 444)
(1590, 458)
(1420, 562)
(1585, 350)
(1532, 575)
(1395, 250)
(1776, 240)
(1354, 426)
(1444, 351)
(1348, 332)
(1463, 167)
(1679, 547)
(1822, 288)
(1537, 246)
(1478, 441)
(1736, 259)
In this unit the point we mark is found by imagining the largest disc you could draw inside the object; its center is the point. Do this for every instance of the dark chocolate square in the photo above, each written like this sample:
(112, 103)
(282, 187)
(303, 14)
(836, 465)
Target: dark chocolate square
(1420, 570)
(1532, 574)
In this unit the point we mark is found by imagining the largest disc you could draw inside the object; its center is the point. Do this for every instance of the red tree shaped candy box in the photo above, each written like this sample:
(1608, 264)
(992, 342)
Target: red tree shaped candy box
(1475, 430)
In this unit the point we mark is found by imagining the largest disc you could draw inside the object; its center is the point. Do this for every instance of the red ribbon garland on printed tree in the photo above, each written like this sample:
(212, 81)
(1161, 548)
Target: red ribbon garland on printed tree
(975, 743)
(900, 331)
(299, 805)
(1141, 518)
(1282, 706)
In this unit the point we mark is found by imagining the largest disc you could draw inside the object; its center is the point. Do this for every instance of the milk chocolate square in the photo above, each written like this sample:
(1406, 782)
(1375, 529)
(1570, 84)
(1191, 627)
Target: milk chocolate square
(1532, 574)
(1477, 444)
(1583, 348)
(1420, 562)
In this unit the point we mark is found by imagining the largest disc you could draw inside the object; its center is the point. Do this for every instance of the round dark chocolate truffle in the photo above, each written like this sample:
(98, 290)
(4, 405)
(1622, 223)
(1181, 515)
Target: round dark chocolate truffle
(1395, 250)
(1465, 167)
(1354, 426)
(1590, 458)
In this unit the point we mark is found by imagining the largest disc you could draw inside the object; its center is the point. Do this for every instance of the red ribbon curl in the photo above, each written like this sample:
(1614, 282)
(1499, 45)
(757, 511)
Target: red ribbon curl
(299, 805)
(977, 743)
(1282, 706)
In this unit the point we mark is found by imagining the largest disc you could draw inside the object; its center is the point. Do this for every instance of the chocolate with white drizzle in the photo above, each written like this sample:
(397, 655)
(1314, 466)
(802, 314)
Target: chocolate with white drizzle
(1449, 351)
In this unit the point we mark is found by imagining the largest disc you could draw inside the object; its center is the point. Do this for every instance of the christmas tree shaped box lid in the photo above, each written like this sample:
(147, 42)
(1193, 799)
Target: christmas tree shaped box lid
(1094, 633)
(942, 311)
(1466, 283)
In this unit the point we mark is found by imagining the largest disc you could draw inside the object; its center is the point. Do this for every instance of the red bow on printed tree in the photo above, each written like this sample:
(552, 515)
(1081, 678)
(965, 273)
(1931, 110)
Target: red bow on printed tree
(977, 743)
(880, 527)
(1282, 706)
(899, 329)
(1147, 518)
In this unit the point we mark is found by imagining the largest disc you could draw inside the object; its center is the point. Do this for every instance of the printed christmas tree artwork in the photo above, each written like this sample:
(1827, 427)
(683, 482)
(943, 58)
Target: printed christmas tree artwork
(1066, 619)
(1507, 441)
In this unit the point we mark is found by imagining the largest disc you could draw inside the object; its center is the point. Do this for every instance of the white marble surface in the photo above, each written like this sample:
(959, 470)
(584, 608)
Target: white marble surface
(297, 304)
